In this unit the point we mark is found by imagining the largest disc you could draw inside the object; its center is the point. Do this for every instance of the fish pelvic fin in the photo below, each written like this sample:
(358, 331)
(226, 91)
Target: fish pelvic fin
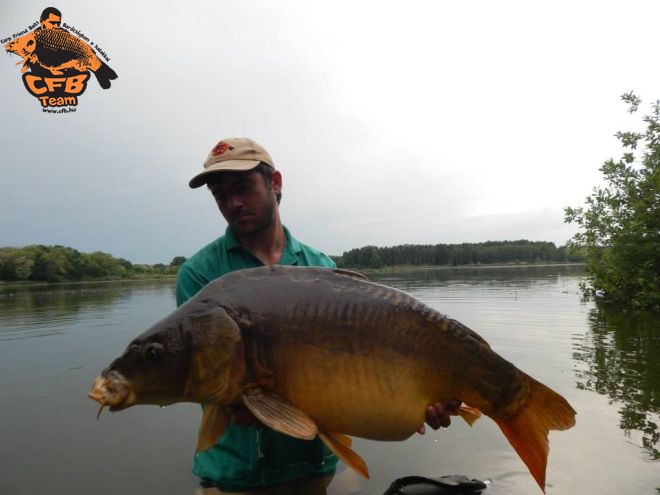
(341, 445)
(214, 423)
(279, 415)
(527, 430)
(469, 414)
(344, 439)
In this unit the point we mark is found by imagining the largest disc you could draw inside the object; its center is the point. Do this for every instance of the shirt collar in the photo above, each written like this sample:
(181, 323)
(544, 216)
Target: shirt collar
(230, 240)
(292, 244)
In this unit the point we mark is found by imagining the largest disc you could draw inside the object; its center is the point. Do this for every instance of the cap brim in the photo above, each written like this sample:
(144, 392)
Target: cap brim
(225, 166)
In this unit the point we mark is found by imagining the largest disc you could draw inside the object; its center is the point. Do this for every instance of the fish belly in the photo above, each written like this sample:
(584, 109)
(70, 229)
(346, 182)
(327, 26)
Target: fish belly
(380, 396)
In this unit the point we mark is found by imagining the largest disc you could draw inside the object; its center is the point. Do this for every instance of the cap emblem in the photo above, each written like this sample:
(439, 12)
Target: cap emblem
(221, 148)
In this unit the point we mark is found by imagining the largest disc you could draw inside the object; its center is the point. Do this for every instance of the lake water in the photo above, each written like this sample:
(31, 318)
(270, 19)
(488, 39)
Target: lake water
(54, 340)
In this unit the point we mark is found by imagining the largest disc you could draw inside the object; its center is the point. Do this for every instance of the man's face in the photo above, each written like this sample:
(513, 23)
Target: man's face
(52, 22)
(245, 200)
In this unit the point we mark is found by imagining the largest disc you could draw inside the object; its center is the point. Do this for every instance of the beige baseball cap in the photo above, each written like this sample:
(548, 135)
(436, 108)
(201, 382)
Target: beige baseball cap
(232, 155)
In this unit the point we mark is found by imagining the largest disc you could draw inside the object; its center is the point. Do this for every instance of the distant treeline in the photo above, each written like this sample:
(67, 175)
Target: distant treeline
(457, 254)
(39, 263)
(64, 264)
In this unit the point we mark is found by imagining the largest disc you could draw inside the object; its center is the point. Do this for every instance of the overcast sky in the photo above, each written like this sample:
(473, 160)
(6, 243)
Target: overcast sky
(392, 122)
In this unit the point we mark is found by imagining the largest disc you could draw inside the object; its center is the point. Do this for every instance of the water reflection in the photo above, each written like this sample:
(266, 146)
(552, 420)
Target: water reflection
(44, 310)
(620, 358)
(459, 278)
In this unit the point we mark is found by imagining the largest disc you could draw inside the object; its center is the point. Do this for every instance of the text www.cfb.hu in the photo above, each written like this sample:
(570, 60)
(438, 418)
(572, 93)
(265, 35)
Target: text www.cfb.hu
(61, 110)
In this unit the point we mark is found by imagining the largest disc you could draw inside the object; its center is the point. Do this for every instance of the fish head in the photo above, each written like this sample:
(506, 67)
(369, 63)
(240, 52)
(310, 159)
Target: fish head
(23, 46)
(191, 356)
(151, 370)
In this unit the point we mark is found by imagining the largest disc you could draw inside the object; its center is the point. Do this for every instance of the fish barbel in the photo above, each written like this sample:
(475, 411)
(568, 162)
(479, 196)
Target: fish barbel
(315, 351)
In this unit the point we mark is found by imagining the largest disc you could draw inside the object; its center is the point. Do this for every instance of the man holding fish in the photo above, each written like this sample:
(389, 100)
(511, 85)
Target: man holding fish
(251, 458)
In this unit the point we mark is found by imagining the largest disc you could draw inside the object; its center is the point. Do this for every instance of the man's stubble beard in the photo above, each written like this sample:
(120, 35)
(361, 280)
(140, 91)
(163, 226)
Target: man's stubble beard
(269, 209)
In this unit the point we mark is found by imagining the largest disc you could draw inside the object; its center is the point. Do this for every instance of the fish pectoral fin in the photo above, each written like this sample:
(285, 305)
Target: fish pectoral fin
(469, 414)
(341, 445)
(277, 414)
(214, 423)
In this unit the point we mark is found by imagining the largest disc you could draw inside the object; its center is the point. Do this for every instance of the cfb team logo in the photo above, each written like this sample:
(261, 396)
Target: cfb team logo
(56, 64)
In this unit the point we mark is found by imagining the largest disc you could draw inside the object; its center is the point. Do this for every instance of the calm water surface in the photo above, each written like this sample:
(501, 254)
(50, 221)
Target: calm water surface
(54, 341)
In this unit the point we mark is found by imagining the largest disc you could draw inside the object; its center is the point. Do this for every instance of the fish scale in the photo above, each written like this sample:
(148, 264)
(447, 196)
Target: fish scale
(57, 48)
(60, 40)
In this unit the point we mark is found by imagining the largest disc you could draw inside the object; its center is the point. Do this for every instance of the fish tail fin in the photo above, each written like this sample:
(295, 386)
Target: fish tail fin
(469, 414)
(527, 430)
(104, 75)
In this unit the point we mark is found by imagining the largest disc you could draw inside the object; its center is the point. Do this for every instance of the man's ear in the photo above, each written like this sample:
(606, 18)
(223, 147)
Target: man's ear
(277, 181)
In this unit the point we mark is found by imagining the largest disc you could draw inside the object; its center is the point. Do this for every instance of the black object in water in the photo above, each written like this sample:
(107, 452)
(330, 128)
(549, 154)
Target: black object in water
(455, 484)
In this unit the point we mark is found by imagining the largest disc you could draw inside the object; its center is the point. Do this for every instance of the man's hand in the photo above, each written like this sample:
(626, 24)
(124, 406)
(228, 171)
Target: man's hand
(438, 415)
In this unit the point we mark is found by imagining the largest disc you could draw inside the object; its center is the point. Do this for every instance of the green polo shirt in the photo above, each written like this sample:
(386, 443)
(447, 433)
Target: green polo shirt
(250, 457)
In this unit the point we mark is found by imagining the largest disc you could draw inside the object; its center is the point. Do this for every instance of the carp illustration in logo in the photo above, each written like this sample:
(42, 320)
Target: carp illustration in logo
(53, 51)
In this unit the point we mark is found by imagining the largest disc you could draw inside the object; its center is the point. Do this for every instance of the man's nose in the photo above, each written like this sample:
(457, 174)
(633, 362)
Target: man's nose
(235, 201)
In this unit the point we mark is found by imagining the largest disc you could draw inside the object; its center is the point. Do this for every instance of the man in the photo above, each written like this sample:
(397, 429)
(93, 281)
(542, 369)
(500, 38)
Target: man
(51, 18)
(251, 458)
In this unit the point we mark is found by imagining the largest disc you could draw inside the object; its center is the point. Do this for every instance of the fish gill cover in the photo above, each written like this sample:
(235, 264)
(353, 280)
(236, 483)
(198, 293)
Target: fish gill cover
(56, 61)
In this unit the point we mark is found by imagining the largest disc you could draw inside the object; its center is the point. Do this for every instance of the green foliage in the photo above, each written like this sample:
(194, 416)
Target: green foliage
(522, 251)
(39, 263)
(178, 261)
(620, 224)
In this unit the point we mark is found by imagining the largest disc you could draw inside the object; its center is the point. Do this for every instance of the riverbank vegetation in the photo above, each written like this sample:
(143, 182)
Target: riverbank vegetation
(620, 224)
(39, 263)
(479, 253)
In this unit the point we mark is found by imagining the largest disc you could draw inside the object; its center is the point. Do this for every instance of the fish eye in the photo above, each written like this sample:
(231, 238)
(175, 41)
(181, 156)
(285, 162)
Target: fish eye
(29, 43)
(133, 348)
(153, 351)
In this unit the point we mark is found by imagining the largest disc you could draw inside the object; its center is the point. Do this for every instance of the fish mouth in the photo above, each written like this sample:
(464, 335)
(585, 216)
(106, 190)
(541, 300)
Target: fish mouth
(112, 390)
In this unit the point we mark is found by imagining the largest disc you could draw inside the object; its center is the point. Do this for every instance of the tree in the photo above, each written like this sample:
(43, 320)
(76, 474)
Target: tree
(178, 261)
(620, 225)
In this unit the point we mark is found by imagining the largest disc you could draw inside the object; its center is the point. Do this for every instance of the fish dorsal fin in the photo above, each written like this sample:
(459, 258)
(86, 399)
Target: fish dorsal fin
(338, 444)
(350, 273)
(275, 413)
(214, 423)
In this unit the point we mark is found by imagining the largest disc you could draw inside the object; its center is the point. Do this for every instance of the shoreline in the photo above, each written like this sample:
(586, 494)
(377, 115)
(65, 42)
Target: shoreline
(385, 269)
(4, 284)
(486, 266)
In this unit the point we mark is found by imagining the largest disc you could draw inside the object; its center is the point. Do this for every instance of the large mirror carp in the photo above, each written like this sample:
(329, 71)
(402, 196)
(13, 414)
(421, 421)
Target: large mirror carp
(315, 351)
